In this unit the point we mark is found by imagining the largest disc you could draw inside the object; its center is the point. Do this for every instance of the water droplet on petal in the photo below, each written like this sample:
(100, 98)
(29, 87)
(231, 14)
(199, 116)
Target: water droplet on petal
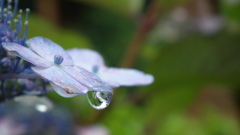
(99, 100)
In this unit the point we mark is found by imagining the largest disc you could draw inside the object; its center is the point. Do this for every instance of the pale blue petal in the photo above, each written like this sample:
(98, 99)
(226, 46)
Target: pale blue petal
(48, 49)
(62, 92)
(58, 77)
(87, 79)
(26, 54)
(86, 58)
(125, 77)
(112, 84)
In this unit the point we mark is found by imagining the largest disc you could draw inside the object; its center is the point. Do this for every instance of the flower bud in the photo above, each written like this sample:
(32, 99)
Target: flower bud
(5, 62)
(58, 59)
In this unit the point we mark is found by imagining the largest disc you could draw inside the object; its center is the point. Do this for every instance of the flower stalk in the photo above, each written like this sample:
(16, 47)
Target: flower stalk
(18, 76)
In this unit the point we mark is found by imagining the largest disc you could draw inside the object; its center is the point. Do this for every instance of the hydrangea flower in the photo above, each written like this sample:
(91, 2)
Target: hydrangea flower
(55, 65)
(114, 77)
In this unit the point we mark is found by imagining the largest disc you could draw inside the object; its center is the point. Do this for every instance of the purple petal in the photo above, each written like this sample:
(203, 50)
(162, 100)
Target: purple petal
(126, 77)
(86, 58)
(87, 79)
(48, 49)
(26, 54)
(58, 77)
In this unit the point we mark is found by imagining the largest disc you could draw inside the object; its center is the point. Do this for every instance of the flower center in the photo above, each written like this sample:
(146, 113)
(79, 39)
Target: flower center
(95, 69)
(58, 59)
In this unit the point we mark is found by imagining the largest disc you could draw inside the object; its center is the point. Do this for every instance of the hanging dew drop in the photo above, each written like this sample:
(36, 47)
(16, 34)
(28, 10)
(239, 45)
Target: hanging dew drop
(99, 100)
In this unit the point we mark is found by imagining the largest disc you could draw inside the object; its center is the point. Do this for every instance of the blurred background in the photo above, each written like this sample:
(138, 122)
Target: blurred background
(190, 46)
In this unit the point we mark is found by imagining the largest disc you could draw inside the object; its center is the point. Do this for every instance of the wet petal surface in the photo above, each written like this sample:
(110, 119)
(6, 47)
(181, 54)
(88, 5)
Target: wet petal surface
(26, 54)
(58, 77)
(87, 79)
(48, 49)
(62, 92)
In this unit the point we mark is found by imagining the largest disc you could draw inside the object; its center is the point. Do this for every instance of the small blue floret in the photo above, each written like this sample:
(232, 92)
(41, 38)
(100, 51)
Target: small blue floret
(95, 69)
(58, 59)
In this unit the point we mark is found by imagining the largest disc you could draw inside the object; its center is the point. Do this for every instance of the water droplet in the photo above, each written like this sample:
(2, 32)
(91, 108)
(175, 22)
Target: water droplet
(99, 100)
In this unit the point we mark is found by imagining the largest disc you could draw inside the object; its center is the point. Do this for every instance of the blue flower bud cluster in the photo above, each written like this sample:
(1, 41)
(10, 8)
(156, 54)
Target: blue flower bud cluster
(11, 30)
(15, 30)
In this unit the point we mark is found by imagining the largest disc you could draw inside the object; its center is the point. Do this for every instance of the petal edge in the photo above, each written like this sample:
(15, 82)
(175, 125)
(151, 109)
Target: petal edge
(26, 54)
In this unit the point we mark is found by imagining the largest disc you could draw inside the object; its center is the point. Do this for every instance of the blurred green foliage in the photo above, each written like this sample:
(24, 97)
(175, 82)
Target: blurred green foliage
(180, 68)
(109, 33)
(230, 10)
(127, 7)
(67, 38)
(198, 59)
